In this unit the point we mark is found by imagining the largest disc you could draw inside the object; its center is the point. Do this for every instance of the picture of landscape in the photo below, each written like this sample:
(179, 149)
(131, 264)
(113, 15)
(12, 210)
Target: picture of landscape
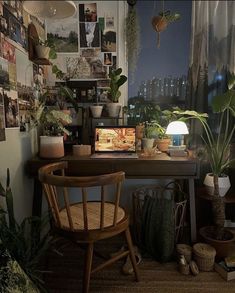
(64, 35)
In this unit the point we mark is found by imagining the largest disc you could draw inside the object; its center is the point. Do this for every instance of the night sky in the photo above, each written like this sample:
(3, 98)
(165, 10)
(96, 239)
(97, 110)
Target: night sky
(173, 55)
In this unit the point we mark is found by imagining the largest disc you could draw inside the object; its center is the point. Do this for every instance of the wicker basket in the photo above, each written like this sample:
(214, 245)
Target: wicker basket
(204, 255)
(138, 201)
(185, 250)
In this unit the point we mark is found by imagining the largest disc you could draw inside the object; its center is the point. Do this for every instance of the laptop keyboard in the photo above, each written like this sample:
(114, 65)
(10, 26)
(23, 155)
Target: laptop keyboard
(115, 156)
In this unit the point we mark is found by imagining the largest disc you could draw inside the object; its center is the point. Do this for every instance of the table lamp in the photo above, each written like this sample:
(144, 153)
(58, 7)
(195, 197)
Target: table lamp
(177, 129)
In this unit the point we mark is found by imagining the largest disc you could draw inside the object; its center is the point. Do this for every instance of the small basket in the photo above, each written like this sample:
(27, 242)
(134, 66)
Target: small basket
(204, 255)
(185, 250)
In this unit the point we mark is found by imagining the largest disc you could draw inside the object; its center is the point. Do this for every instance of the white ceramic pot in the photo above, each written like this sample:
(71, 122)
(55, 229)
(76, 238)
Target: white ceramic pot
(96, 111)
(224, 184)
(51, 147)
(113, 109)
(42, 51)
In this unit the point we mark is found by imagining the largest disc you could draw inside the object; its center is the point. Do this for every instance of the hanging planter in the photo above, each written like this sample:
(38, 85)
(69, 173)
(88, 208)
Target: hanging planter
(132, 37)
(161, 21)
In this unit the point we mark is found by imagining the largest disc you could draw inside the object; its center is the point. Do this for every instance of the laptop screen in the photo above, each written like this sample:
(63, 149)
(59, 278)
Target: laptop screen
(115, 139)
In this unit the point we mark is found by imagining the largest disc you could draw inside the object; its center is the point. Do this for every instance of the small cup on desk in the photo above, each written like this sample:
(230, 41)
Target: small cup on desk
(82, 150)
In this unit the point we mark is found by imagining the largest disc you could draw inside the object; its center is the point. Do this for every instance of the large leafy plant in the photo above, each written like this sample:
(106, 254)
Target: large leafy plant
(217, 143)
(22, 240)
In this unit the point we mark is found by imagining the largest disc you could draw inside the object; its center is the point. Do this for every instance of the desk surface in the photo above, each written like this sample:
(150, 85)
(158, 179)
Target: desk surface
(159, 166)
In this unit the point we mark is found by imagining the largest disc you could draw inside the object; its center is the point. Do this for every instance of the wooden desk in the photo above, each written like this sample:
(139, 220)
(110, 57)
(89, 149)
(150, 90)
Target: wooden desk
(159, 167)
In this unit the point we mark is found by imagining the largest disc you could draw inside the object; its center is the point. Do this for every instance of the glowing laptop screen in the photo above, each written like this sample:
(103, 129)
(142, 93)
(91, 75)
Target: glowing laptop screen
(115, 139)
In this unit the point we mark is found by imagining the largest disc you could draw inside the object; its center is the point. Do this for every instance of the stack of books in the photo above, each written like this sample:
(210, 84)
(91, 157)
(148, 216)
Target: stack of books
(226, 268)
(177, 151)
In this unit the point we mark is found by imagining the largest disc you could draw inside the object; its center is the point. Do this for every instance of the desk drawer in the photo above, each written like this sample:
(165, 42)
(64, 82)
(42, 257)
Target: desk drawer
(157, 169)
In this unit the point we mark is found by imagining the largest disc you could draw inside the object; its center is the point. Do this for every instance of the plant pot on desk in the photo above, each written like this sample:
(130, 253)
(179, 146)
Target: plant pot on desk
(51, 147)
(113, 109)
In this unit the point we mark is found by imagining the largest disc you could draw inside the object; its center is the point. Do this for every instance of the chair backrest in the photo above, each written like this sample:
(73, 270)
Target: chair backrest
(56, 186)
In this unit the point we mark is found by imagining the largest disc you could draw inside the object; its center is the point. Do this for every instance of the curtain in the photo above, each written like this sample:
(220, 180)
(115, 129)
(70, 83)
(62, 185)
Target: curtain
(212, 55)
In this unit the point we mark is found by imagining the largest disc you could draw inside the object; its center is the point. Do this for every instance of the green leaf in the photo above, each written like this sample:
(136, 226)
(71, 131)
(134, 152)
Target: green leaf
(225, 101)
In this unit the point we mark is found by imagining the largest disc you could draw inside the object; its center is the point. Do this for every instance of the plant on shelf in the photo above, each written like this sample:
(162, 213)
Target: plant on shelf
(217, 144)
(21, 240)
(45, 49)
(117, 79)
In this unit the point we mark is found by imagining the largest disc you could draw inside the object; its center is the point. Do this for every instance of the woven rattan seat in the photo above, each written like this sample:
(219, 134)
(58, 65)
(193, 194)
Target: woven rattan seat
(84, 219)
(93, 215)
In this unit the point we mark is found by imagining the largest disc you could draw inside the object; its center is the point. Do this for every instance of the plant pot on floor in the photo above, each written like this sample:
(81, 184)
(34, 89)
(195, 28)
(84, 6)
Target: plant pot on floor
(113, 109)
(51, 147)
(96, 110)
(224, 184)
(224, 247)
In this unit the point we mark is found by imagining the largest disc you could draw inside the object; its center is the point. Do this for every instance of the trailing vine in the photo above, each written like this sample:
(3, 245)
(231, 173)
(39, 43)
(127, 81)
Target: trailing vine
(132, 39)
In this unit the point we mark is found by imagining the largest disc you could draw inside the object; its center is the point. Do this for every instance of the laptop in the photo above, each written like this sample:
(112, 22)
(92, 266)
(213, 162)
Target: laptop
(117, 142)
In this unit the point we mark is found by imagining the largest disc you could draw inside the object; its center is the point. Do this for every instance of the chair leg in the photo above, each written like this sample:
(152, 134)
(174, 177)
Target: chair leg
(87, 267)
(132, 254)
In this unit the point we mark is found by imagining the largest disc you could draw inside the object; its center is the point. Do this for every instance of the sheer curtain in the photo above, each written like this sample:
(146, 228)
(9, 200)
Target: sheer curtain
(212, 54)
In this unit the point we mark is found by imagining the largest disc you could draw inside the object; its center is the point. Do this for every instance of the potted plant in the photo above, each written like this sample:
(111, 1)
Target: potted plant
(44, 49)
(150, 134)
(52, 126)
(23, 245)
(163, 140)
(217, 144)
(161, 21)
(116, 81)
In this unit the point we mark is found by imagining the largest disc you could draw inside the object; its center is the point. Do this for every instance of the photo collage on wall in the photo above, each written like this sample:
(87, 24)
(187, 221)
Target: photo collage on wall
(87, 43)
(13, 36)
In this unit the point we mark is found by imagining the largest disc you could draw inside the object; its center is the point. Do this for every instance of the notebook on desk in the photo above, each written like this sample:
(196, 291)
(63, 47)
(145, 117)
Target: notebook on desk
(118, 142)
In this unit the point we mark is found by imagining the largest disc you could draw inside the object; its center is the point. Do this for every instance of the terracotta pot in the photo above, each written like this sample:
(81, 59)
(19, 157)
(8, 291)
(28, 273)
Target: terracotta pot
(223, 247)
(51, 147)
(139, 131)
(163, 144)
(159, 23)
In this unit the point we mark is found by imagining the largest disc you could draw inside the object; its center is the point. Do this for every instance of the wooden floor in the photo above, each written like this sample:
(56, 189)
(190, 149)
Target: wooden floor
(65, 274)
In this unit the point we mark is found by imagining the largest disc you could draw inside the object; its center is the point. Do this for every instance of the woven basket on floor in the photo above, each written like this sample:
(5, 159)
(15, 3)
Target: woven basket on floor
(204, 255)
(185, 250)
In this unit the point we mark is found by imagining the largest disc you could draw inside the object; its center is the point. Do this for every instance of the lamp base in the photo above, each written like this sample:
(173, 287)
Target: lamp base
(177, 153)
(177, 147)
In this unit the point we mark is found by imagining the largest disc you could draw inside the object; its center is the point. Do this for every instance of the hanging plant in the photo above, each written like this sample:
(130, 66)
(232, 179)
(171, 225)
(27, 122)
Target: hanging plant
(161, 21)
(132, 37)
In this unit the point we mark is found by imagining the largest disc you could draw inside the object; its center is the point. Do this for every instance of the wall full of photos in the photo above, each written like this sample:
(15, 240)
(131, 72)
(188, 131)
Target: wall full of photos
(18, 75)
(90, 44)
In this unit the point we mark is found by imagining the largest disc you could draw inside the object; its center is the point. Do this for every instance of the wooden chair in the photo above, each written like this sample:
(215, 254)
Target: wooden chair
(87, 221)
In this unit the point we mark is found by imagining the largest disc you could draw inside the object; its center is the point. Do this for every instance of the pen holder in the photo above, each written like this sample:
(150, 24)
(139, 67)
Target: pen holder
(82, 150)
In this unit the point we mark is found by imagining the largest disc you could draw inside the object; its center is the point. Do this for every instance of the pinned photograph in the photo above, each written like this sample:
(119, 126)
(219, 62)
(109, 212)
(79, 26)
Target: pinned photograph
(109, 22)
(2, 117)
(8, 51)
(64, 35)
(108, 59)
(85, 68)
(89, 34)
(88, 12)
(14, 29)
(90, 52)
(4, 74)
(12, 75)
(11, 108)
(108, 41)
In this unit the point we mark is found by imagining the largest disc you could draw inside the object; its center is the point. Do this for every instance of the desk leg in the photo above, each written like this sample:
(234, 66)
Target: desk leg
(37, 198)
(192, 210)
